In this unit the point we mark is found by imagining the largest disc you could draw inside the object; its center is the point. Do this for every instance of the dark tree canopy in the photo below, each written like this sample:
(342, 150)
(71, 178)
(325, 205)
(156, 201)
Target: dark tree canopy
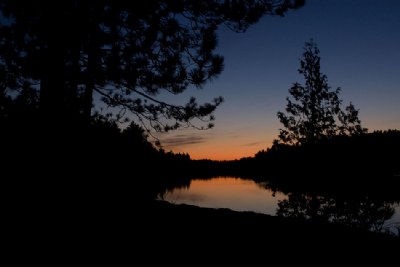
(314, 111)
(69, 53)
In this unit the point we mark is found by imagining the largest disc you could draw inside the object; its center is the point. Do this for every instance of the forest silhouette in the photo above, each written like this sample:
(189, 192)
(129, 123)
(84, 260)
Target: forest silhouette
(74, 171)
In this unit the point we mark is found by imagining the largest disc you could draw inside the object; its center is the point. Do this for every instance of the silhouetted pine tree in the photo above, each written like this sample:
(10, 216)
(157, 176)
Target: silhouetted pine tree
(314, 110)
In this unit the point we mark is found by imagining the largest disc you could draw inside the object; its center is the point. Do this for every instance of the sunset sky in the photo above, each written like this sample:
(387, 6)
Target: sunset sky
(359, 42)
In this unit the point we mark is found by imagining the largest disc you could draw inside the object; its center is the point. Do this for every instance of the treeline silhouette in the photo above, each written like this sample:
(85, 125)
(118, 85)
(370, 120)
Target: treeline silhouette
(373, 153)
(350, 165)
(101, 153)
(357, 164)
(98, 159)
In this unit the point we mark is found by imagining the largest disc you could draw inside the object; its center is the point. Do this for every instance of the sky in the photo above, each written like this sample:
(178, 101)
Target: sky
(359, 42)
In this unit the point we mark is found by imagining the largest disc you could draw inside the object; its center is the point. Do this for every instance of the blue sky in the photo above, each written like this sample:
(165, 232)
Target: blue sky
(359, 42)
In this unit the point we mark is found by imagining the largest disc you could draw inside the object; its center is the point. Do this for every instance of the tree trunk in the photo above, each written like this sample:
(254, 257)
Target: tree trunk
(52, 87)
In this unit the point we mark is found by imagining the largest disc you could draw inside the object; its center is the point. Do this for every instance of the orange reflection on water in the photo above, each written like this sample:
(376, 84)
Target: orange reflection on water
(227, 192)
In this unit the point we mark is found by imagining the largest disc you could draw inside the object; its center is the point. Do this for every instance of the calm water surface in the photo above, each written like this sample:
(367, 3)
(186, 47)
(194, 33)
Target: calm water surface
(240, 195)
(227, 192)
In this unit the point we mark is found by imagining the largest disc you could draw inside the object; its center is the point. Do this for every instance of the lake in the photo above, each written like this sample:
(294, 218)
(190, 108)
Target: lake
(246, 195)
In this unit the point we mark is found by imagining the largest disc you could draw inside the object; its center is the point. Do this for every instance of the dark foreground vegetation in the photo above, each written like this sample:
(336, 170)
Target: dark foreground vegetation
(248, 224)
(157, 232)
(222, 234)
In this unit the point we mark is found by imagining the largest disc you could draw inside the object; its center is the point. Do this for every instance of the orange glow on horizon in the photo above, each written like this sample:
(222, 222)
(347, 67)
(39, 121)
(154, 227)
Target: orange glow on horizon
(222, 146)
(219, 148)
(220, 153)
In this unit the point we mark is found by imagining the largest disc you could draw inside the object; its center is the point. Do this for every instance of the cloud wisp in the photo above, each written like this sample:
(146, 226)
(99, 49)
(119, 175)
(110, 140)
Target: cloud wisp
(252, 143)
(182, 140)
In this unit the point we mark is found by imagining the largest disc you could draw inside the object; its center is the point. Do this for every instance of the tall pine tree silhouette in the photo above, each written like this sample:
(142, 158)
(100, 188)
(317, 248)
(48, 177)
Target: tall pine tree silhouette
(314, 110)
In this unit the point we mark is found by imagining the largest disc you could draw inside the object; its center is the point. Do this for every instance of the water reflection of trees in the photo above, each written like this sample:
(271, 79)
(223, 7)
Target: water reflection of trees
(367, 209)
(364, 212)
(170, 183)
